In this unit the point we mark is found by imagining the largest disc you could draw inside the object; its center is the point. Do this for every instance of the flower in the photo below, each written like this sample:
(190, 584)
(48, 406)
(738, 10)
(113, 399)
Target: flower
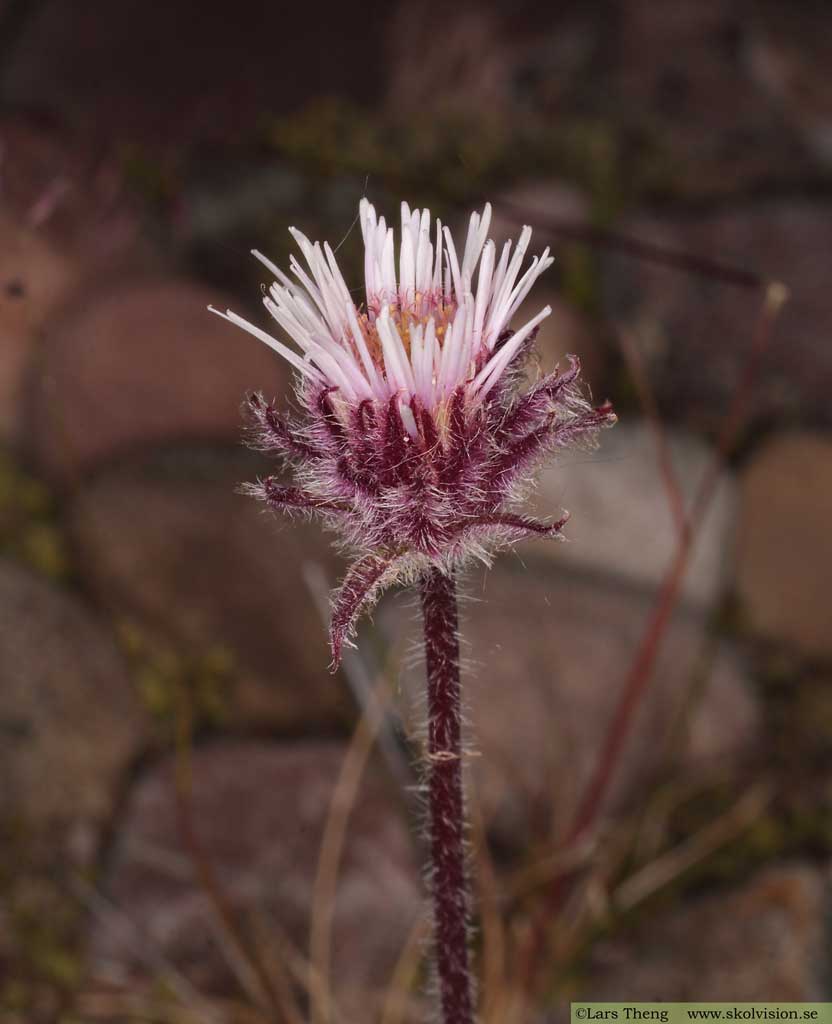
(417, 440)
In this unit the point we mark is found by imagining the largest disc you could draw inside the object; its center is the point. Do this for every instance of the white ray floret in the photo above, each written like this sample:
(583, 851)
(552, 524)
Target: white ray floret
(424, 332)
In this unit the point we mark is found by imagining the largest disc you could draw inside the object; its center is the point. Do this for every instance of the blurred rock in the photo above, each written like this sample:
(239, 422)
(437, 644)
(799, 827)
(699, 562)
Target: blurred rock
(496, 60)
(567, 331)
(696, 334)
(622, 522)
(141, 364)
(680, 76)
(531, 202)
(73, 193)
(785, 557)
(70, 721)
(668, 90)
(34, 279)
(273, 61)
(763, 941)
(788, 54)
(39, 154)
(169, 543)
(259, 813)
(545, 660)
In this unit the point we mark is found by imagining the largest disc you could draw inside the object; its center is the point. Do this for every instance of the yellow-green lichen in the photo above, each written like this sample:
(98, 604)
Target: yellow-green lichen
(29, 527)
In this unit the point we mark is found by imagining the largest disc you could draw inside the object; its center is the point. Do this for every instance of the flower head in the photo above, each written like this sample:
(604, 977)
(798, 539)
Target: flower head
(417, 441)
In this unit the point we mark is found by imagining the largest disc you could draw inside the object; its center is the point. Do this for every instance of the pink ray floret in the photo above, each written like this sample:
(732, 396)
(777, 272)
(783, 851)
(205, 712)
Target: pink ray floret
(419, 335)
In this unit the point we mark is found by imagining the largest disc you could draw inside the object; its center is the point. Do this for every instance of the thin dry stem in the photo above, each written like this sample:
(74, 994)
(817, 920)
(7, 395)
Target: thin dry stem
(398, 997)
(602, 238)
(641, 669)
(341, 805)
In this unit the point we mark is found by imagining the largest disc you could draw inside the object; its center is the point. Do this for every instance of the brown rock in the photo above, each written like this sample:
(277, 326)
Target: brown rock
(71, 722)
(172, 545)
(259, 813)
(763, 941)
(34, 279)
(142, 364)
(546, 656)
(785, 556)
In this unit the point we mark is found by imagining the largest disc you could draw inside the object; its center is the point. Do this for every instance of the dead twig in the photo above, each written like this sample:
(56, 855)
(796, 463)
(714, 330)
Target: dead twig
(602, 238)
(641, 668)
(324, 892)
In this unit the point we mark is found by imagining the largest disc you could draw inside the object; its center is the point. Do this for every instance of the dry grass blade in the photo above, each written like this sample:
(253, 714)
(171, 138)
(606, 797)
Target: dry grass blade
(241, 954)
(332, 846)
(374, 728)
(398, 999)
(108, 1003)
(662, 871)
(540, 872)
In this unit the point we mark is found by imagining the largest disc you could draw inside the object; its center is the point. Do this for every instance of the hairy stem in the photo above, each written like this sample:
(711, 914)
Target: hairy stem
(450, 899)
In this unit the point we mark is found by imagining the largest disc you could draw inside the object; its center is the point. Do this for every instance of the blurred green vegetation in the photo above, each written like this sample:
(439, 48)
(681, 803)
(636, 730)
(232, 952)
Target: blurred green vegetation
(457, 158)
(168, 679)
(30, 530)
(40, 959)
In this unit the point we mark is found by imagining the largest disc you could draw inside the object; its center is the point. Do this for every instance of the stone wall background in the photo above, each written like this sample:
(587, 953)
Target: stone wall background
(147, 609)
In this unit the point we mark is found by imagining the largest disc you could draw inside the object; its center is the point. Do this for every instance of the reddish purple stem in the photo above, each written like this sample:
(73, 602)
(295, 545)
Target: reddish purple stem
(450, 900)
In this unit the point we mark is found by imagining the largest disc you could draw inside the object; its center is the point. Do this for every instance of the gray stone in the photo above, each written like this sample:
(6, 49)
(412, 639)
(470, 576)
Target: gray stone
(622, 522)
(764, 941)
(785, 555)
(259, 812)
(70, 720)
(546, 657)
(170, 544)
